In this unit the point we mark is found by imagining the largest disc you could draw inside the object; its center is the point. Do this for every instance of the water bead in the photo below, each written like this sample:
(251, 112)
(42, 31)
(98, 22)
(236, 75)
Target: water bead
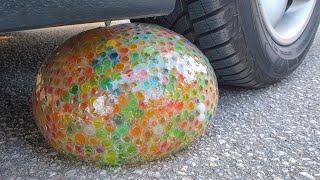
(126, 94)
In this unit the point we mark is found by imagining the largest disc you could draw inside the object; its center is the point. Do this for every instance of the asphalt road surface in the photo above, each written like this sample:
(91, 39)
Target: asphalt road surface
(271, 133)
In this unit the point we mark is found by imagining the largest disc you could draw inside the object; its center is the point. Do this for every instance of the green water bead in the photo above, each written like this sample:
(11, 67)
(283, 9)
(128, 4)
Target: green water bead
(185, 114)
(105, 84)
(149, 50)
(93, 81)
(109, 48)
(70, 130)
(133, 102)
(179, 47)
(66, 96)
(99, 70)
(118, 119)
(123, 129)
(106, 143)
(115, 137)
(206, 81)
(116, 76)
(177, 132)
(126, 139)
(111, 157)
(88, 148)
(75, 89)
(98, 123)
(107, 63)
(134, 38)
(165, 136)
(135, 55)
(128, 112)
(139, 113)
(135, 62)
(177, 95)
(131, 149)
(101, 133)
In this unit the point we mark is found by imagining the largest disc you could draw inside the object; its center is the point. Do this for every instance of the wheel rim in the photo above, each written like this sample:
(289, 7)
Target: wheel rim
(286, 19)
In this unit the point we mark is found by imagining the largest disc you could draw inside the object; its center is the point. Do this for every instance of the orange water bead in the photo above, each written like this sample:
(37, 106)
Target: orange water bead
(119, 66)
(94, 90)
(110, 127)
(118, 44)
(161, 110)
(57, 81)
(196, 122)
(89, 55)
(143, 148)
(123, 99)
(74, 59)
(68, 81)
(148, 133)
(124, 50)
(142, 105)
(67, 107)
(85, 118)
(180, 77)
(138, 141)
(56, 116)
(94, 141)
(58, 92)
(162, 120)
(144, 122)
(153, 148)
(84, 96)
(133, 46)
(88, 72)
(149, 113)
(61, 135)
(178, 105)
(80, 138)
(125, 59)
(139, 95)
(191, 106)
(183, 123)
(116, 108)
(81, 79)
(170, 114)
(84, 105)
(135, 131)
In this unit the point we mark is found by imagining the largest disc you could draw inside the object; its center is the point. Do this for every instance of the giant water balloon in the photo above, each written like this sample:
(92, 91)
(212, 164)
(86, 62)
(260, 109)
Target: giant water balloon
(125, 94)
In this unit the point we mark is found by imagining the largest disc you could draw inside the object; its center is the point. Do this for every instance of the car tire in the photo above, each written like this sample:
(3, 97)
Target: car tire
(234, 37)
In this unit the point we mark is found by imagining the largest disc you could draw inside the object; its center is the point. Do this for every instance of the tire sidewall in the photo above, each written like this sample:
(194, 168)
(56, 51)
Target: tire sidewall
(275, 60)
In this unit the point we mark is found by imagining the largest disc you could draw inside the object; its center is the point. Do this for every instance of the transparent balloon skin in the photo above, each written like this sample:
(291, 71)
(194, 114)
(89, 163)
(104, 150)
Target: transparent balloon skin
(126, 94)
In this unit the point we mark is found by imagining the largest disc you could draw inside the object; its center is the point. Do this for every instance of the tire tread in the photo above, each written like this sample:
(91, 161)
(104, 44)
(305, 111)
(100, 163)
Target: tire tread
(213, 25)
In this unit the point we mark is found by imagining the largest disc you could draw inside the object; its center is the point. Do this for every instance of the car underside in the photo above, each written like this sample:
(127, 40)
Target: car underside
(29, 14)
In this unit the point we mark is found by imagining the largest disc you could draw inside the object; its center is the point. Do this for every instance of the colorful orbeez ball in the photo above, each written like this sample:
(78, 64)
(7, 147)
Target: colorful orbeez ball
(126, 94)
